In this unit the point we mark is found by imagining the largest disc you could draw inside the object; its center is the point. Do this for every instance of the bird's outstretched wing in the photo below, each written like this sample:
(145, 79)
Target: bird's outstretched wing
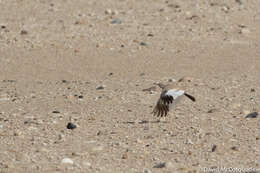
(166, 99)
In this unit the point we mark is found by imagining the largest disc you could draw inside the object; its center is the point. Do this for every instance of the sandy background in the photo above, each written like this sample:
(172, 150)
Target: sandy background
(54, 54)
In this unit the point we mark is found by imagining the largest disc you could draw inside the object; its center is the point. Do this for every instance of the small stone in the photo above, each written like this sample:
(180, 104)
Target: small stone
(174, 6)
(108, 11)
(98, 133)
(17, 133)
(214, 148)
(56, 112)
(80, 96)
(252, 90)
(143, 43)
(3, 26)
(124, 156)
(171, 80)
(185, 79)
(101, 87)
(110, 74)
(225, 9)
(24, 32)
(71, 126)
(86, 164)
(234, 148)
(145, 170)
(98, 148)
(212, 110)
(160, 165)
(64, 81)
(67, 161)
(116, 21)
(239, 2)
(139, 141)
(188, 141)
(150, 35)
(252, 115)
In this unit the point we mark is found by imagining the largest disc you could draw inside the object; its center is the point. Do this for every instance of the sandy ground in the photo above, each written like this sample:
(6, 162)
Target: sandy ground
(55, 54)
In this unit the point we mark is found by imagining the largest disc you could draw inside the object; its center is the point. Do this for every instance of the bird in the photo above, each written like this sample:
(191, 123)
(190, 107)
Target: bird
(170, 95)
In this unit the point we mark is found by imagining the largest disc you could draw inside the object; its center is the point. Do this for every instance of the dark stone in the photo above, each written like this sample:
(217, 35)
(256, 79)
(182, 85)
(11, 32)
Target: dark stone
(214, 148)
(56, 112)
(252, 115)
(24, 32)
(160, 165)
(71, 126)
(143, 43)
(100, 87)
(116, 21)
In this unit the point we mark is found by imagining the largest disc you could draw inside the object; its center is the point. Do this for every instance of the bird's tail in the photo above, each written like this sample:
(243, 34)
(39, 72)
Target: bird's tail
(190, 97)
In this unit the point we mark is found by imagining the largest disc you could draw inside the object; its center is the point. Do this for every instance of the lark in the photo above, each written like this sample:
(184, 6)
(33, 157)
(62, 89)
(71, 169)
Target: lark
(170, 96)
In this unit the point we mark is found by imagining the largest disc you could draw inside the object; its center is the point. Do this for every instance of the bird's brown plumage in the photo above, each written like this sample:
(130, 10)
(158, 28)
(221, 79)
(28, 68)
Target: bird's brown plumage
(169, 96)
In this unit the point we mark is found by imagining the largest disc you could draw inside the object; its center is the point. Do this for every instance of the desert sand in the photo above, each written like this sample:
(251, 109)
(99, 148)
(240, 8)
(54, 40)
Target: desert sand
(90, 63)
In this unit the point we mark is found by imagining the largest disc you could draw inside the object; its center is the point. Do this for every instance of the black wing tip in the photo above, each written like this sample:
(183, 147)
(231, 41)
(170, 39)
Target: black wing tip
(190, 97)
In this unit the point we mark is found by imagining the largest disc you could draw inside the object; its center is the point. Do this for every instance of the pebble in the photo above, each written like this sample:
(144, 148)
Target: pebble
(111, 12)
(67, 161)
(225, 9)
(124, 156)
(80, 96)
(56, 112)
(108, 11)
(185, 79)
(252, 115)
(17, 133)
(188, 141)
(116, 21)
(234, 148)
(145, 170)
(171, 80)
(143, 43)
(139, 141)
(24, 32)
(212, 110)
(239, 2)
(101, 87)
(86, 164)
(98, 148)
(71, 126)
(214, 148)
(160, 165)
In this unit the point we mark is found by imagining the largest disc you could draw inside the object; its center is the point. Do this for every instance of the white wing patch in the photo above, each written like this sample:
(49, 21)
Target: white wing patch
(166, 101)
(175, 93)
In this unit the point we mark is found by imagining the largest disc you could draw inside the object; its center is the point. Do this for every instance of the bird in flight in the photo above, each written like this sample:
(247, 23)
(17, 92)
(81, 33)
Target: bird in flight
(170, 95)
